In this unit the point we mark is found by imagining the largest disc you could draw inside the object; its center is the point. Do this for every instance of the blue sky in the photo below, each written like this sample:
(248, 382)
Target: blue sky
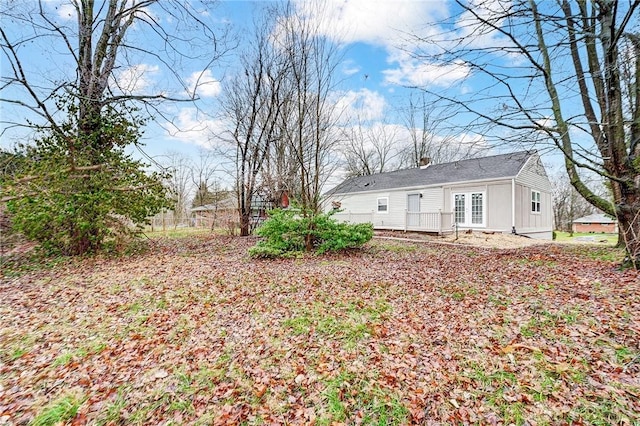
(376, 66)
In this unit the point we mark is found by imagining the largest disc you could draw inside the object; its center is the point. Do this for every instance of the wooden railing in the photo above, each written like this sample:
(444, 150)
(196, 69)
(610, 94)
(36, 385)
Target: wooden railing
(429, 222)
(438, 222)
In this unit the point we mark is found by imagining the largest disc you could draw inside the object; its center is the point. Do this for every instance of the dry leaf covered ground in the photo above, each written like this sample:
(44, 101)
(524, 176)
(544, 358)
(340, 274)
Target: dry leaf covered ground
(195, 332)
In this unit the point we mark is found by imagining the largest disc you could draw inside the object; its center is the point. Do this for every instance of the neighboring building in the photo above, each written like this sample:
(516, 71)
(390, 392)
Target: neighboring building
(225, 211)
(502, 193)
(596, 223)
(211, 215)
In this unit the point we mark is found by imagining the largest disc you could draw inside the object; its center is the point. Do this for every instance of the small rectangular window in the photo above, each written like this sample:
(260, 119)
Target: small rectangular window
(535, 201)
(383, 205)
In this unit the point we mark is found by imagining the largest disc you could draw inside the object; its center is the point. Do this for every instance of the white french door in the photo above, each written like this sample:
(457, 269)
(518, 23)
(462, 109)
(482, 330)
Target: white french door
(469, 208)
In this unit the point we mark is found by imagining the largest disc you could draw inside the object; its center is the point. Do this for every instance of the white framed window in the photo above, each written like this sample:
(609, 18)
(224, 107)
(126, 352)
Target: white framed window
(535, 201)
(383, 205)
(469, 209)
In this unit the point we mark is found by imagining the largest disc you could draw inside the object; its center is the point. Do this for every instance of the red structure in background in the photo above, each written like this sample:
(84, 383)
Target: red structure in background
(596, 223)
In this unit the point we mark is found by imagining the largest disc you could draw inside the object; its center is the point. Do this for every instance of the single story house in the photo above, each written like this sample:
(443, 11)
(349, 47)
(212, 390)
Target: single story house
(210, 215)
(596, 223)
(226, 210)
(506, 193)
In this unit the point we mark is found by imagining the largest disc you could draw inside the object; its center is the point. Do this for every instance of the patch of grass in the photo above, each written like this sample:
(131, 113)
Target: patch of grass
(300, 324)
(18, 353)
(59, 411)
(178, 232)
(200, 380)
(349, 322)
(512, 413)
(345, 395)
(545, 322)
(183, 405)
(499, 388)
(548, 383)
(14, 349)
(460, 291)
(486, 380)
(334, 398)
(600, 411)
(135, 307)
(537, 262)
(63, 359)
(571, 316)
(499, 300)
(625, 355)
(604, 253)
(114, 412)
(566, 237)
(181, 332)
(162, 303)
(68, 356)
(97, 347)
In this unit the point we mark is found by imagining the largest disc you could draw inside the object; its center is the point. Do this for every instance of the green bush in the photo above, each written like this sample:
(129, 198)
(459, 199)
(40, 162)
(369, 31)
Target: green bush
(287, 233)
(78, 193)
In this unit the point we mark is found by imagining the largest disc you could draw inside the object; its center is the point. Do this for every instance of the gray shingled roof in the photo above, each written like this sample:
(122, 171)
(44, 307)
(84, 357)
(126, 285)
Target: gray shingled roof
(596, 218)
(493, 167)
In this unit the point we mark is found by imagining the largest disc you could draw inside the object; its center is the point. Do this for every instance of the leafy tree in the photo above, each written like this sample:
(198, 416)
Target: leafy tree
(74, 199)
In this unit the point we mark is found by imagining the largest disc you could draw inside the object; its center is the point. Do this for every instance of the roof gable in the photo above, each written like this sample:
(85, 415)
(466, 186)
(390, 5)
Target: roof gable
(503, 166)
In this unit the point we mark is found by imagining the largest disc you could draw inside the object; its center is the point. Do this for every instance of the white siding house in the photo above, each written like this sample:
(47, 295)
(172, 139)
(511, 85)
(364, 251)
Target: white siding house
(507, 193)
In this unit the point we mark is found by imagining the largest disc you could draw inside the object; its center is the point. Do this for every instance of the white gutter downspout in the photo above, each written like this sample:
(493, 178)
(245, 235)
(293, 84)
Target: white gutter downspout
(513, 205)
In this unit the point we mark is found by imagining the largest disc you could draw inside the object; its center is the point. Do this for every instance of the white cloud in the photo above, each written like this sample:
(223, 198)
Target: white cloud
(416, 73)
(66, 11)
(192, 128)
(203, 84)
(349, 67)
(136, 79)
(361, 105)
(469, 25)
(390, 24)
(375, 22)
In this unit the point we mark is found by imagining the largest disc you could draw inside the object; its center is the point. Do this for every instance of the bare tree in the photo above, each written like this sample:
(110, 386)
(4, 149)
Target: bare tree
(309, 112)
(370, 148)
(178, 182)
(204, 179)
(568, 205)
(253, 103)
(100, 43)
(429, 137)
(554, 72)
